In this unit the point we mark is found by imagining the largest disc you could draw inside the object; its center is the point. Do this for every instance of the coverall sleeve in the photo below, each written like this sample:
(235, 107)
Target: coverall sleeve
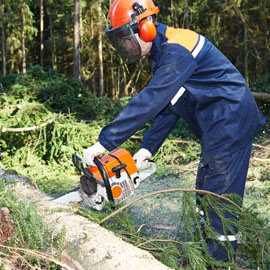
(163, 125)
(175, 67)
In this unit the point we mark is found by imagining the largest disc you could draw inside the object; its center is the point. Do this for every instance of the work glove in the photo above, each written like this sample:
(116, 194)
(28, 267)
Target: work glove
(142, 158)
(94, 151)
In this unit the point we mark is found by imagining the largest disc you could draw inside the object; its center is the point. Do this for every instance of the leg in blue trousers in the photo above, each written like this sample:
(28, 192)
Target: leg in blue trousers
(226, 175)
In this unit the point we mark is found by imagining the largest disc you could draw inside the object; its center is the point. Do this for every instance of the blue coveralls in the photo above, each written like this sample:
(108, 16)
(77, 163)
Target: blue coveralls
(194, 80)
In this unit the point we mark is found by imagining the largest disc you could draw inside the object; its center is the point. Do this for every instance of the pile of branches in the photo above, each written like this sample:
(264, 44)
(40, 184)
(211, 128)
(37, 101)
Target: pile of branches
(45, 118)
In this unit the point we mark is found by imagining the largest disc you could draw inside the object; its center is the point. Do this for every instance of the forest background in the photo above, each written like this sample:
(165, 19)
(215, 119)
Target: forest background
(69, 36)
(61, 82)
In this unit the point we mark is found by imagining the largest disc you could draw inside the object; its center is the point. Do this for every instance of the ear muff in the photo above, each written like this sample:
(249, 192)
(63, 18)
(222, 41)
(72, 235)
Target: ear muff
(147, 30)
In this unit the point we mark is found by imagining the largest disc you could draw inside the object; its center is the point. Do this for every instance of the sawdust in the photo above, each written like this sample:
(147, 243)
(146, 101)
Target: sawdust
(160, 214)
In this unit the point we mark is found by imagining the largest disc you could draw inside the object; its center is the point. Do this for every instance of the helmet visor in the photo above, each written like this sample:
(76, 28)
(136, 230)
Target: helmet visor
(125, 42)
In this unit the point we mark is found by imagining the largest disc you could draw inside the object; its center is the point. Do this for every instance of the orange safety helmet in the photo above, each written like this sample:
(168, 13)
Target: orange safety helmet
(129, 17)
(121, 11)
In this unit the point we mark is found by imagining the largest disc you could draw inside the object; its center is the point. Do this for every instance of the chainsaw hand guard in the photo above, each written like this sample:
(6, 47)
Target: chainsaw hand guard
(77, 161)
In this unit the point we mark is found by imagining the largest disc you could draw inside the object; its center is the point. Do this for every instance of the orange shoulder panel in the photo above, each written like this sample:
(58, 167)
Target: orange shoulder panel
(184, 37)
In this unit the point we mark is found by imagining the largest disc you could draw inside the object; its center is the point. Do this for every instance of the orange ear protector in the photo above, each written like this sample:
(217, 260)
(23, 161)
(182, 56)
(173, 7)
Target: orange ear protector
(147, 29)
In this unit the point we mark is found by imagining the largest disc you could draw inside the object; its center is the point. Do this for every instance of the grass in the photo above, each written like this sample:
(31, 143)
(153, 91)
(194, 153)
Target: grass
(31, 244)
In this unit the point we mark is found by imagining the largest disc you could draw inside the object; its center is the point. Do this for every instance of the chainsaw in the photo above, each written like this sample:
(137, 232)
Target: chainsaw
(114, 178)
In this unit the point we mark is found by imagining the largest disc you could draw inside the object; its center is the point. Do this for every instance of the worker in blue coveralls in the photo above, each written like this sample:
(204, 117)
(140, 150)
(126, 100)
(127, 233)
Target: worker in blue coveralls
(193, 80)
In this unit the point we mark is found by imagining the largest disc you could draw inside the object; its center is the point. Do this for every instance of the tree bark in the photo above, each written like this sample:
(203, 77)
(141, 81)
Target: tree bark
(52, 38)
(100, 55)
(261, 96)
(41, 33)
(186, 15)
(242, 38)
(23, 39)
(3, 41)
(76, 40)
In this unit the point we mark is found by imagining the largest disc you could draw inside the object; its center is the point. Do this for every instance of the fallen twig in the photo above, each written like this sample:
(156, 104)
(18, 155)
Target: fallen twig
(168, 191)
(261, 146)
(185, 169)
(28, 128)
(262, 159)
(159, 240)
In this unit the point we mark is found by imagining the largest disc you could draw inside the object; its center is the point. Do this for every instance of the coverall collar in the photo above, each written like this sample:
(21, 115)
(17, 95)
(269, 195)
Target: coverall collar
(159, 39)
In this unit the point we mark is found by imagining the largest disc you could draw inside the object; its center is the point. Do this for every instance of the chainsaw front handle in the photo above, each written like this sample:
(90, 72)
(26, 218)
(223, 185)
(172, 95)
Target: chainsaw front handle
(148, 171)
(105, 178)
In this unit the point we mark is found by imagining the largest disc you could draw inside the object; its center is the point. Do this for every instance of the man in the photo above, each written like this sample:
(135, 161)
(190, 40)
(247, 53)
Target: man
(193, 80)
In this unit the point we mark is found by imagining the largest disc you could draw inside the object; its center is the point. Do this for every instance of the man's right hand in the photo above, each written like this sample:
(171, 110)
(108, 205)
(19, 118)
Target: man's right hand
(142, 158)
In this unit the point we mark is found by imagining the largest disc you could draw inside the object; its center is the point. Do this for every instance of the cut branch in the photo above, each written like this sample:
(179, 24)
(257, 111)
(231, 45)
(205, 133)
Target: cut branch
(261, 96)
(261, 146)
(28, 128)
(185, 169)
(262, 159)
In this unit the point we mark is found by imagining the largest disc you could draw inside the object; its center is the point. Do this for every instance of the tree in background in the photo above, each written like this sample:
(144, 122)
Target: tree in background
(3, 38)
(22, 38)
(41, 33)
(100, 48)
(239, 28)
(76, 40)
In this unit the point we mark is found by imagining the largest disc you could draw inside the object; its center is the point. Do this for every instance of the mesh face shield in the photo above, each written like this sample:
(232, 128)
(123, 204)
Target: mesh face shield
(125, 42)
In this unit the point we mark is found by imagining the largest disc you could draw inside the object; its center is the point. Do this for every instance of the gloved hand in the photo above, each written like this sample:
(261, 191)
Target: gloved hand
(94, 151)
(142, 158)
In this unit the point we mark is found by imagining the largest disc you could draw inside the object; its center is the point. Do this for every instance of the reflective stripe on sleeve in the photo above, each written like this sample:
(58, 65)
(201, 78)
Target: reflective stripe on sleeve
(178, 95)
(199, 46)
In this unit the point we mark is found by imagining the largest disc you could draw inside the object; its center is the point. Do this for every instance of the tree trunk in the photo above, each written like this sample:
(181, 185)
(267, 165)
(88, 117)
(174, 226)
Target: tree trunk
(81, 27)
(100, 56)
(23, 40)
(41, 33)
(76, 40)
(243, 43)
(186, 22)
(172, 13)
(3, 41)
(52, 39)
(261, 96)
(246, 53)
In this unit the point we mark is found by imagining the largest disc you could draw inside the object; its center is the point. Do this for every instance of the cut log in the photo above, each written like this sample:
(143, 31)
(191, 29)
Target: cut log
(261, 96)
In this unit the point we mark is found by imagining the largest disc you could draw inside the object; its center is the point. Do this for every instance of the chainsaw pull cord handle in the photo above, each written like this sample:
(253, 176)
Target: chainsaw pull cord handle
(105, 178)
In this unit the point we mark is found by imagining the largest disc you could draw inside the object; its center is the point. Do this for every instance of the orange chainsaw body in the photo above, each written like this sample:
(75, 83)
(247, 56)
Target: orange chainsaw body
(112, 160)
